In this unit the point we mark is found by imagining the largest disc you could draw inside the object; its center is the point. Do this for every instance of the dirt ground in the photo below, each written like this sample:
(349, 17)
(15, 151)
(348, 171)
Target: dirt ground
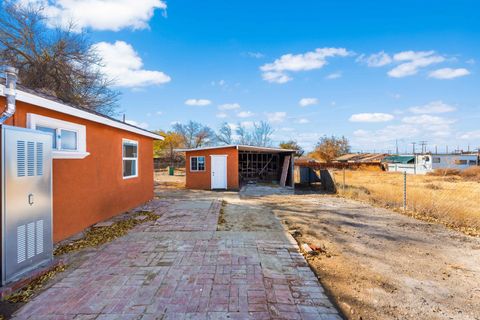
(377, 264)
(374, 263)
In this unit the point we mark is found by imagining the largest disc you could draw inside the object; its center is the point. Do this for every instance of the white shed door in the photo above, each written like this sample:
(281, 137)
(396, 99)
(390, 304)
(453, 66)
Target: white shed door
(219, 172)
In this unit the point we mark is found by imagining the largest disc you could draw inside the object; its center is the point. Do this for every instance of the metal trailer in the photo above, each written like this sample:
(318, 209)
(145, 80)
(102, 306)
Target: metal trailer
(26, 182)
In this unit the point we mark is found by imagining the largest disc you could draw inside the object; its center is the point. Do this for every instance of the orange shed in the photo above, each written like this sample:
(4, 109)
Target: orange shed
(101, 166)
(231, 166)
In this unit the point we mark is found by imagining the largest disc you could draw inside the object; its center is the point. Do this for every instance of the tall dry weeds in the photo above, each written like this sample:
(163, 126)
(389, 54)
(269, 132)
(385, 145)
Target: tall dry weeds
(451, 200)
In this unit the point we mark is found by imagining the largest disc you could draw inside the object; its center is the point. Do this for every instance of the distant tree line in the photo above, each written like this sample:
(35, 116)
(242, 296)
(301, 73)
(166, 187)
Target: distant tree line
(193, 135)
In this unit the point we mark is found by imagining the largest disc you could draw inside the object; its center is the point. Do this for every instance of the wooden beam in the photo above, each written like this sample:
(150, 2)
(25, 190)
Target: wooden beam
(286, 165)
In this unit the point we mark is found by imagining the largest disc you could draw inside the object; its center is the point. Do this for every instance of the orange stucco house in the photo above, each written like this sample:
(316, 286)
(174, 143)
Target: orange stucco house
(101, 166)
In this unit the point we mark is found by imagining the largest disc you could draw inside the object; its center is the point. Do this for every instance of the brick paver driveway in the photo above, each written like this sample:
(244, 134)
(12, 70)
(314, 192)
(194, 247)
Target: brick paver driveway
(180, 267)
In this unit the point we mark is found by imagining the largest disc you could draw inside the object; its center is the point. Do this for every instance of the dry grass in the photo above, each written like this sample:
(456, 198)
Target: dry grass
(448, 199)
(472, 173)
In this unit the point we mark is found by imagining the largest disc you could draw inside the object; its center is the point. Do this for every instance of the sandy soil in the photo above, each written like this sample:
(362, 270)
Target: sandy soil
(378, 264)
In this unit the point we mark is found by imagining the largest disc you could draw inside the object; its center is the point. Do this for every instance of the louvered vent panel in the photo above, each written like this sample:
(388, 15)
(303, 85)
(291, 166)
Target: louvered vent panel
(31, 240)
(30, 158)
(39, 236)
(21, 242)
(39, 158)
(21, 158)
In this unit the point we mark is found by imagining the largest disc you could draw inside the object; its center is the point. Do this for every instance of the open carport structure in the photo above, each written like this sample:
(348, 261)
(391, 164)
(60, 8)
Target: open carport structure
(231, 166)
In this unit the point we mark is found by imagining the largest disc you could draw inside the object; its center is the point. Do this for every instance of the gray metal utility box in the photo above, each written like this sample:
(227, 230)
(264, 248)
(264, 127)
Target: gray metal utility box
(26, 201)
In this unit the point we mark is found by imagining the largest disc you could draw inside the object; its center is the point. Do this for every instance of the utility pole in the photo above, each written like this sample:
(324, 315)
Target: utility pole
(424, 146)
(413, 144)
(436, 151)
(396, 146)
(447, 149)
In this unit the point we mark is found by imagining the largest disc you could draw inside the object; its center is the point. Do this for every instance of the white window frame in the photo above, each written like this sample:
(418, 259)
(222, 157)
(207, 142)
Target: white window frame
(204, 163)
(35, 120)
(130, 158)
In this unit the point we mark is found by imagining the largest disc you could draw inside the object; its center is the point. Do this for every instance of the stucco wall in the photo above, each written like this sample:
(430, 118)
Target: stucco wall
(89, 190)
(202, 179)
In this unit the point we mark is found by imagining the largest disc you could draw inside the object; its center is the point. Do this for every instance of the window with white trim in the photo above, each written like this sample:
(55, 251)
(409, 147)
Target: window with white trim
(197, 163)
(130, 158)
(69, 140)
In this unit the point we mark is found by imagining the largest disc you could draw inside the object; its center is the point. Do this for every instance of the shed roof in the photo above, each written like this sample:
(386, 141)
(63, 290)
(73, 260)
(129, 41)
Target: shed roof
(240, 148)
(40, 99)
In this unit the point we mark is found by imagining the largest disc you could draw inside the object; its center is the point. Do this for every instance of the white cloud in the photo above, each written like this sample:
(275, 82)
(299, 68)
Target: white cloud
(123, 65)
(303, 121)
(256, 55)
(396, 96)
(334, 75)
(432, 107)
(427, 120)
(229, 106)
(276, 117)
(278, 70)
(112, 15)
(412, 61)
(470, 135)
(220, 83)
(244, 114)
(379, 59)
(449, 73)
(247, 124)
(142, 125)
(371, 117)
(221, 115)
(198, 102)
(159, 113)
(307, 102)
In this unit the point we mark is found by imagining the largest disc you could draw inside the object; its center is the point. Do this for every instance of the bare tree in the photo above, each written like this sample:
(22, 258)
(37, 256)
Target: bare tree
(224, 134)
(195, 134)
(244, 136)
(57, 61)
(262, 134)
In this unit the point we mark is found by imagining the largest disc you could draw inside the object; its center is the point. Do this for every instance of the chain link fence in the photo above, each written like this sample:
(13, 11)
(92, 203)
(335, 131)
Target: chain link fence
(450, 198)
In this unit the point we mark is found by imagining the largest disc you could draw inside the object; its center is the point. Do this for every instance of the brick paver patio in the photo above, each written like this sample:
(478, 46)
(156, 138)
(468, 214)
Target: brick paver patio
(180, 267)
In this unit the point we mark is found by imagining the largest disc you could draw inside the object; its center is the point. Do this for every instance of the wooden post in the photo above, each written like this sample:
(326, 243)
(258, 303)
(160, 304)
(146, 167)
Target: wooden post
(405, 191)
(343, 186)
(286, 165)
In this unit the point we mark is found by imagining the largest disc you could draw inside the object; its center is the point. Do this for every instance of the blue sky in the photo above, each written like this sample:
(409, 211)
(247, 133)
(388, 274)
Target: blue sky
(374, 71)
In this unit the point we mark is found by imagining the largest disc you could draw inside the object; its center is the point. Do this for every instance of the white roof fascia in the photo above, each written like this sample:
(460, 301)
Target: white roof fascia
(63, 108)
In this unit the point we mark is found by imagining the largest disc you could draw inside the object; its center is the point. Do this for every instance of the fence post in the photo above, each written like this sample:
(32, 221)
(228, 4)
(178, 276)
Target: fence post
(343, 185)
(405, 191)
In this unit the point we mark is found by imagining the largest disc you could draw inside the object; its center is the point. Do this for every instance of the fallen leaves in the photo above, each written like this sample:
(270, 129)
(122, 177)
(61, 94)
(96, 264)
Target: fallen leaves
(26, 293)
(96, 236)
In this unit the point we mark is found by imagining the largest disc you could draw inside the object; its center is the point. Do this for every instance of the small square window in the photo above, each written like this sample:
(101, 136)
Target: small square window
(68, 139)
(197, 163)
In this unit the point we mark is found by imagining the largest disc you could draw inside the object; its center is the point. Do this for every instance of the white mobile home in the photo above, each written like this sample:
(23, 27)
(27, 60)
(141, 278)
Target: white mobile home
(424, 163)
